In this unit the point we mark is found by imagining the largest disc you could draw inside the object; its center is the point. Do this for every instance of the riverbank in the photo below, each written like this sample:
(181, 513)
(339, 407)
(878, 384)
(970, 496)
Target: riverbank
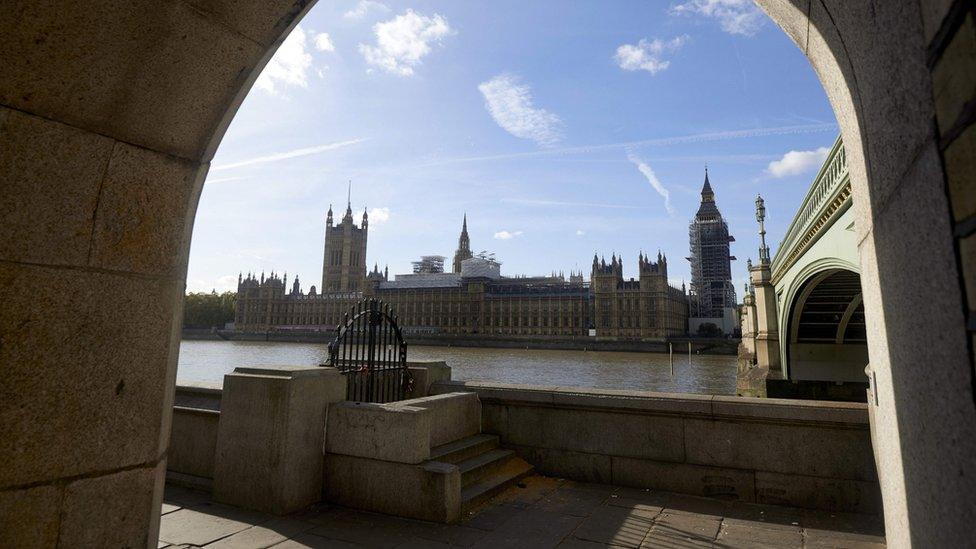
(699, 346)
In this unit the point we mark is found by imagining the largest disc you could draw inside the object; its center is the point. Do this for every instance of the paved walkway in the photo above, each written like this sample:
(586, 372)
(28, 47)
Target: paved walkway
(541, 512)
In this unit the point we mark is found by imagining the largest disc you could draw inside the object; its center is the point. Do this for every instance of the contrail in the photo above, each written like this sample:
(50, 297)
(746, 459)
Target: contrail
(653, 180)
(660, 141)
(288, 154)
(559, 203)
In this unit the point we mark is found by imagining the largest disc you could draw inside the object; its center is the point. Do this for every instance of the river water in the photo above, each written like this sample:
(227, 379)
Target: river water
(705, 374)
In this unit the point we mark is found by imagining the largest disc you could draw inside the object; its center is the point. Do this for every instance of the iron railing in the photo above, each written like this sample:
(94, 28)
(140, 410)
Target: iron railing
(370, 351)
(826, 186)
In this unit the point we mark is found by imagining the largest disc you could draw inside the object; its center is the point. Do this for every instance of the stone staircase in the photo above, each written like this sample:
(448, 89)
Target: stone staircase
(421, 458)
(485, 468)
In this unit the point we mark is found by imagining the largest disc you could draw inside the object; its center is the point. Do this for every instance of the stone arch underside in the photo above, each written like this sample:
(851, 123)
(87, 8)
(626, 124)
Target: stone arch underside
(109, 115)
(827, 335)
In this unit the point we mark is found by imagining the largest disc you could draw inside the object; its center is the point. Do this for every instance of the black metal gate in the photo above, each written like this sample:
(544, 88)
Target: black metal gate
(370, 351)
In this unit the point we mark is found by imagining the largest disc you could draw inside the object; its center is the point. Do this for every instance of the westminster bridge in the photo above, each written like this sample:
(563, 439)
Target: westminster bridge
(803, 314)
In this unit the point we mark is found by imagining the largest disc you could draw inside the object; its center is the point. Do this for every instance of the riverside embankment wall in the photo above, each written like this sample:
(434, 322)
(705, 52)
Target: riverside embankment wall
(716, 346)
(798, 453)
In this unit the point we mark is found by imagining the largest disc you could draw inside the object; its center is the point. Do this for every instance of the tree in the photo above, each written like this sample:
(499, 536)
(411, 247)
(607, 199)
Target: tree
(208, 310)
(709, 329)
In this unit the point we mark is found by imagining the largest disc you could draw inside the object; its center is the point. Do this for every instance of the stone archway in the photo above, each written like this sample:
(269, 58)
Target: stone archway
(825, 332)
(111, 111)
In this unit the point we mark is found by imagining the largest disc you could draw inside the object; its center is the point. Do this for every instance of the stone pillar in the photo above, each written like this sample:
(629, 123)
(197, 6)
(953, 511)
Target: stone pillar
(767, 333)
(271, 436)
(749, 323)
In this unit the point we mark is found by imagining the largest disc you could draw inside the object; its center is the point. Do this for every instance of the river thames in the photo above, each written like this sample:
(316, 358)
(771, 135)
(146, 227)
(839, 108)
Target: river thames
(208, 361)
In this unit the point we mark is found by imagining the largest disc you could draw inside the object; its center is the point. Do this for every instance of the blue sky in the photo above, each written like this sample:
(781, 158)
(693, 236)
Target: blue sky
(562, 129)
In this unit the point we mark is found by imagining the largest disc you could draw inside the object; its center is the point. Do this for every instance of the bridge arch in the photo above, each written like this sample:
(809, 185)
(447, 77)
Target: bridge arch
(791, 293)
(110, 113)
(825, 336)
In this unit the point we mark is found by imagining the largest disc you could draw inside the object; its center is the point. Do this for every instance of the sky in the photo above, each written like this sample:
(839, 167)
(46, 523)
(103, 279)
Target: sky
(561, 129)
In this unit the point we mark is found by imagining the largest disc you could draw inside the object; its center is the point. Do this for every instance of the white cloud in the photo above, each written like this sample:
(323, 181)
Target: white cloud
(403, 41)
(507, 235)
(226, 283)
(741, 17)
(275, 157)
(289, 66)
(323, 42)
(376, 216)
(653, 180)
(364, 7)
(797, 162)
(648, 55)
(580, 232)
(510, 104)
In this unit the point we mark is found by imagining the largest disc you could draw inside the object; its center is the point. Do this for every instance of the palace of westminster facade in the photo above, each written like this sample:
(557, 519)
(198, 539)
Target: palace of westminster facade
(473, 299)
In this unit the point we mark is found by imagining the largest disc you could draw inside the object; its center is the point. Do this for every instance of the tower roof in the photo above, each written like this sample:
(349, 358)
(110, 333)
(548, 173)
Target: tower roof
(707, 209)
(706, 192)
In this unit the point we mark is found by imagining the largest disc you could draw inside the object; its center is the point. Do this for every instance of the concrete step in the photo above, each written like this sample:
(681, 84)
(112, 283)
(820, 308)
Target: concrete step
(466, 448)
(482, 465)
(510, 470)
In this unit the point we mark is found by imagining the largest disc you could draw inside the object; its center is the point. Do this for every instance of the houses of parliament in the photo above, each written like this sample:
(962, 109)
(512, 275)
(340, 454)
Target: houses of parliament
(473, 299)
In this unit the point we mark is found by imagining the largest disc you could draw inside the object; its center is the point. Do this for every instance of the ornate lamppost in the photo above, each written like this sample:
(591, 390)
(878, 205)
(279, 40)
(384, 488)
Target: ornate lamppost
(761, 217)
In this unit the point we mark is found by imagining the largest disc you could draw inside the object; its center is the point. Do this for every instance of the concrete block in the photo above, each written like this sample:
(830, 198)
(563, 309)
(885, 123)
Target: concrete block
(271, 435)
(145, 212)
(453, 416)
(51, 174)
(804, 450)
(425, 374)
(828, 494)
(953, 77)
(960, 165)
(120, 504)
(193, 442)
(683, 478)
(30, 517)
(107, 338)
(167, 94)
(378, 431)
(430, 491)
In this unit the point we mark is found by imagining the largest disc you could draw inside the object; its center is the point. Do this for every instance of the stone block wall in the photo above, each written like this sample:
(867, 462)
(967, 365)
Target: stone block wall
(799, 453)
(193, 441)
(950, 28)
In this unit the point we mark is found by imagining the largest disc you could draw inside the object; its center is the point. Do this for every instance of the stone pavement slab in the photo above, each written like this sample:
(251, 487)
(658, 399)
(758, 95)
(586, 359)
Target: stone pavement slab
(539, 512)
(621, 526)
(274, 531)
(206, 523)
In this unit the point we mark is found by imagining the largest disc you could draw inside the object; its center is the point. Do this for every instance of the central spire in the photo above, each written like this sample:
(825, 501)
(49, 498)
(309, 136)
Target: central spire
(349, 199)
(348, 215)
(706, 192)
